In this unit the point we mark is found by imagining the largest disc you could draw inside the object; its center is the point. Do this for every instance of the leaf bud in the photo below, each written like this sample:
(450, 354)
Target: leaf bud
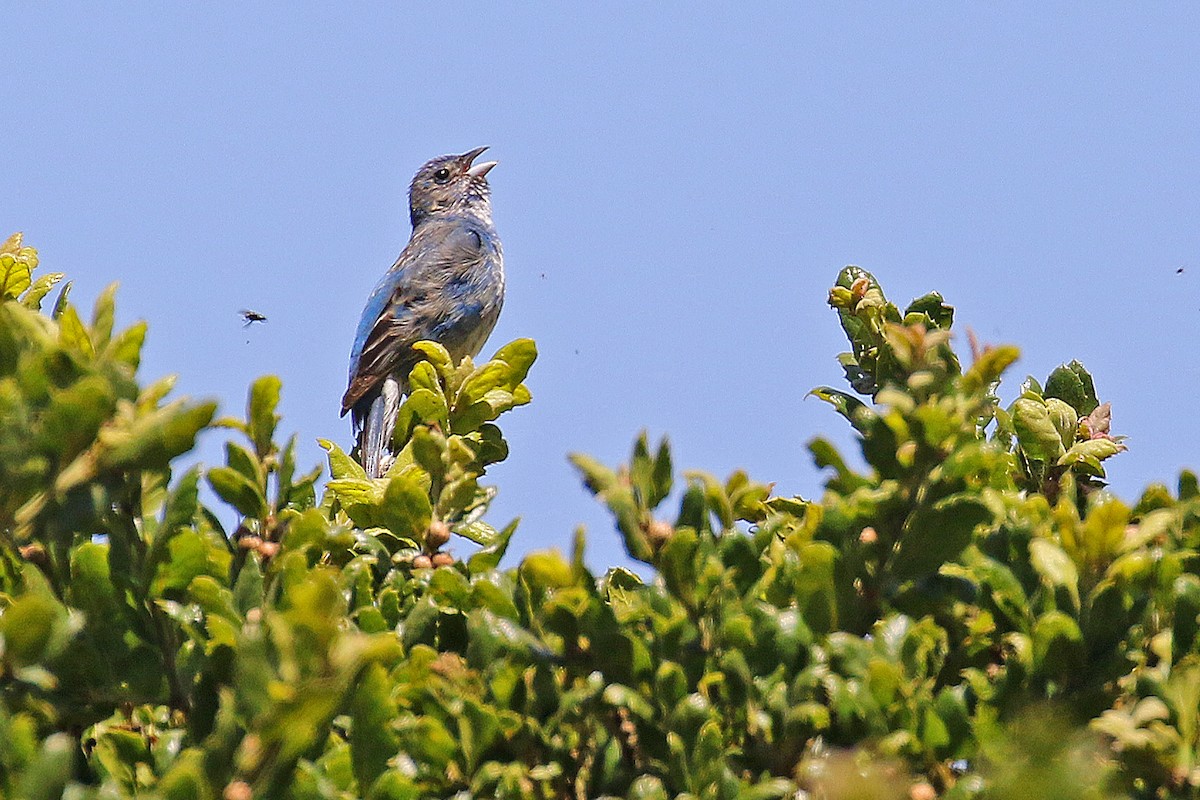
(238, 790)
(658, 532)
(437, 535)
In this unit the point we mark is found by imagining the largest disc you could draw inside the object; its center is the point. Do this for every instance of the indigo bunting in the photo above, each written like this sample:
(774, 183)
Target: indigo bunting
(447, 286)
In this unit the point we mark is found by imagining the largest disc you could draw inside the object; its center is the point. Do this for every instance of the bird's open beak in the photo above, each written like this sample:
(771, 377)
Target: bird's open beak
(478, 170)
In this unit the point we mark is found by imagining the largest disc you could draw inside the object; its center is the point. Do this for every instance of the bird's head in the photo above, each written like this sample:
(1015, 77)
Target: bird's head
(451, 184)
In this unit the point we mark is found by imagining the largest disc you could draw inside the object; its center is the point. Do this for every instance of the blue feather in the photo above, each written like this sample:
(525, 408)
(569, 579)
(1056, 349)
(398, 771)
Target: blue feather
(446, 286)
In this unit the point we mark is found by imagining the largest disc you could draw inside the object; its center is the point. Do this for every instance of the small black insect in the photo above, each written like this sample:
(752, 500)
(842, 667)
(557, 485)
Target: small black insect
(1179, 271)
(250, 317)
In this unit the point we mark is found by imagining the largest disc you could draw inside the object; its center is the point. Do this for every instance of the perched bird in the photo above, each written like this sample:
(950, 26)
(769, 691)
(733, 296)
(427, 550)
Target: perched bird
(447, 286)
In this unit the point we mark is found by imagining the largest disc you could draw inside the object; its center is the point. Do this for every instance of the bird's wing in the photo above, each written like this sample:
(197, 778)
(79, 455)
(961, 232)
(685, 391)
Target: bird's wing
(408, 305)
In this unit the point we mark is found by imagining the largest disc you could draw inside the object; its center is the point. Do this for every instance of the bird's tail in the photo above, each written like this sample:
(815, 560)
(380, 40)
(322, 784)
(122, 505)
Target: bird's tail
(375, 435)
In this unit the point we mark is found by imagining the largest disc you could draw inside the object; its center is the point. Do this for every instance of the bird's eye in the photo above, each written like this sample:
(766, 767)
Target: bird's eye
(442, 175)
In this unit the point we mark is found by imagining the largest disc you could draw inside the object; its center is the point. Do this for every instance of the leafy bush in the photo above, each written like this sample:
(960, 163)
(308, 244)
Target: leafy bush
(972, 615)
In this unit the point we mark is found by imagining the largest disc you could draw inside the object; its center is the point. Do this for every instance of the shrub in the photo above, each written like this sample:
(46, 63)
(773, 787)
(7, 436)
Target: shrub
(971, 615)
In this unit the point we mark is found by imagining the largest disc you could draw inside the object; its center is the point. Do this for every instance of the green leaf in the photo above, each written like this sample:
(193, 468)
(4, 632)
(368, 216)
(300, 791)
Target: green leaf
(152, 394)
(934, 309)
(478, 532)
(485, 379)
(640, 466)
(181, 506)
(72, 420)
(260, 415)
(848, 406)
(48, 775)
(936, 534)
(295, 492)
(1104, 529)
(1057, 645)
(405, 509)
(127, 347)
(1031, 389)
(676, 562)
(471, 417)
(547, 569)
(623, 697)
(118, 751)
(1056, 568)
(492, 448)
(91, 588)
(1092, 451)
(72, 334)
(15, 273)
(648, 787)
(651, 477)
(102, 316)
(248, 590)
(186, 779)
(308, 530)
(1073, 384)
(152, 440)
(239, 491)
(27, 627)
(492, 638)
(662, 476)
(709, 750)
(825, 455)
(428, 449)
(596, 477)
(488, 558)
(1064, 419)
(988, 368)
(1189, 486)
(421, 406)
(1183, 694)
(372, 710)
(932, 731)
(815, 586)
(716, 499)
(457, 497)
(1184, 632)
(190, 555)
(246, 463)
(519, 354)
(360, 498)
(424, 376)
(438, 356)
(39, 289)
(340, 464)
(179, 513)
(427, 739)
(1036, 434)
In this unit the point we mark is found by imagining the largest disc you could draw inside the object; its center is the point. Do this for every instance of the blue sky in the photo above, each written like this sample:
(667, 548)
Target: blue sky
(678, 187)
